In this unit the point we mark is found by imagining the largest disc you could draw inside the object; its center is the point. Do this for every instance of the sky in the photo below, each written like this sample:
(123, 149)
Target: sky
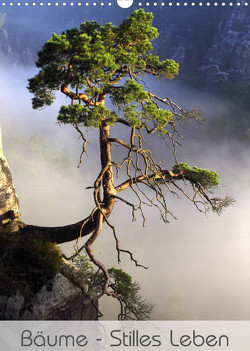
(198, 266)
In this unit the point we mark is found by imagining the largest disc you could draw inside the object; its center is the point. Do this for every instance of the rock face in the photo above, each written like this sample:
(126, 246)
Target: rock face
(213, 76)
(228, 58)
(177, 45)
(9, 204)
(220, 52)
(11, 55)
(5, 47)
(59, 299)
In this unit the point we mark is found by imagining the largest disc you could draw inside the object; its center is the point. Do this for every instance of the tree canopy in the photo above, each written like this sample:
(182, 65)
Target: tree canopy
(95, 63)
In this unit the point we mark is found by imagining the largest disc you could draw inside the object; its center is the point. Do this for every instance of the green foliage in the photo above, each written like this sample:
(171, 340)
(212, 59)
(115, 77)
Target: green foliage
(40, 254)
(137, 29)
(135, 307)
(204, 177)
(88, 117)
(152, 112)
(8, 238)
(43, 96)
(93, 60)
(122, 282)
(144, 111)
(149, 112)
(167, 69)
(131, 91)
(86, 269)
(27, 262)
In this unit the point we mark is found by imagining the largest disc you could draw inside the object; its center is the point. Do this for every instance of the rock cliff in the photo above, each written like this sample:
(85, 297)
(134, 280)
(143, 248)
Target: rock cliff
(61, 298)
(13, 52)
(228, 58)
(9, 205)
(211, 47)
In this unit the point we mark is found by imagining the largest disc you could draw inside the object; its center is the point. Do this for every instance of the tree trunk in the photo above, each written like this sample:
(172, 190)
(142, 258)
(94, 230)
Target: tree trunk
(9, 204)
(109, 190)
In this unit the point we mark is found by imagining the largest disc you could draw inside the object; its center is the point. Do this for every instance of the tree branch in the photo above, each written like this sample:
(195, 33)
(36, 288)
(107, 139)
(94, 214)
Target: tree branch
(76, 126)
(141, 178)
(60, 235)
(73, 96)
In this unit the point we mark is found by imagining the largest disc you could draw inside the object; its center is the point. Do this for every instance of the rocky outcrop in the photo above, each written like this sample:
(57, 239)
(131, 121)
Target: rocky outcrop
(12, 53)
(9, 205)
(213, 77)
(212, 52)
(6, 50)
(63, 298)
(228, 58)
(177, 46)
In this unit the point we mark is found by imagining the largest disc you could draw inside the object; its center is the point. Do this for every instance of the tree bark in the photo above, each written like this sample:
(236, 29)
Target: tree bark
(60, 235)
(109, 190)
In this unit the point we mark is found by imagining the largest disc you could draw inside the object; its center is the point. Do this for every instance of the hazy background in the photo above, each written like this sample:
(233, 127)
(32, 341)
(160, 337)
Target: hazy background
(199, 267)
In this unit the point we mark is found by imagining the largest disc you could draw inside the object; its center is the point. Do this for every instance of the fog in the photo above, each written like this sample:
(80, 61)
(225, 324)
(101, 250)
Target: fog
(198, 266)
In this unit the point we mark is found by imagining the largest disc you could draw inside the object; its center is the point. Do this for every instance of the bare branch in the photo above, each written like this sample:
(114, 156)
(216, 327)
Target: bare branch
(169, 177)
(118, 141)
(134, 207)
(132, 258)
(76, 126)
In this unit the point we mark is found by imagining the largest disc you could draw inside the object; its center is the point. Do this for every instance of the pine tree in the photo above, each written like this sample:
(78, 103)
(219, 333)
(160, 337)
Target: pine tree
(99, 62)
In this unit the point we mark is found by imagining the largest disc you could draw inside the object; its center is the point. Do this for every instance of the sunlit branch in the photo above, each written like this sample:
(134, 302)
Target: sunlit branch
(142, 177)
(118, 141)
(134, 207)
(74, 96)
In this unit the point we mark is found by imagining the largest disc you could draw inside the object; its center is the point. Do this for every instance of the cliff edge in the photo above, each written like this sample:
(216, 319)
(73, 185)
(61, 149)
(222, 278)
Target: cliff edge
(35, 282)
